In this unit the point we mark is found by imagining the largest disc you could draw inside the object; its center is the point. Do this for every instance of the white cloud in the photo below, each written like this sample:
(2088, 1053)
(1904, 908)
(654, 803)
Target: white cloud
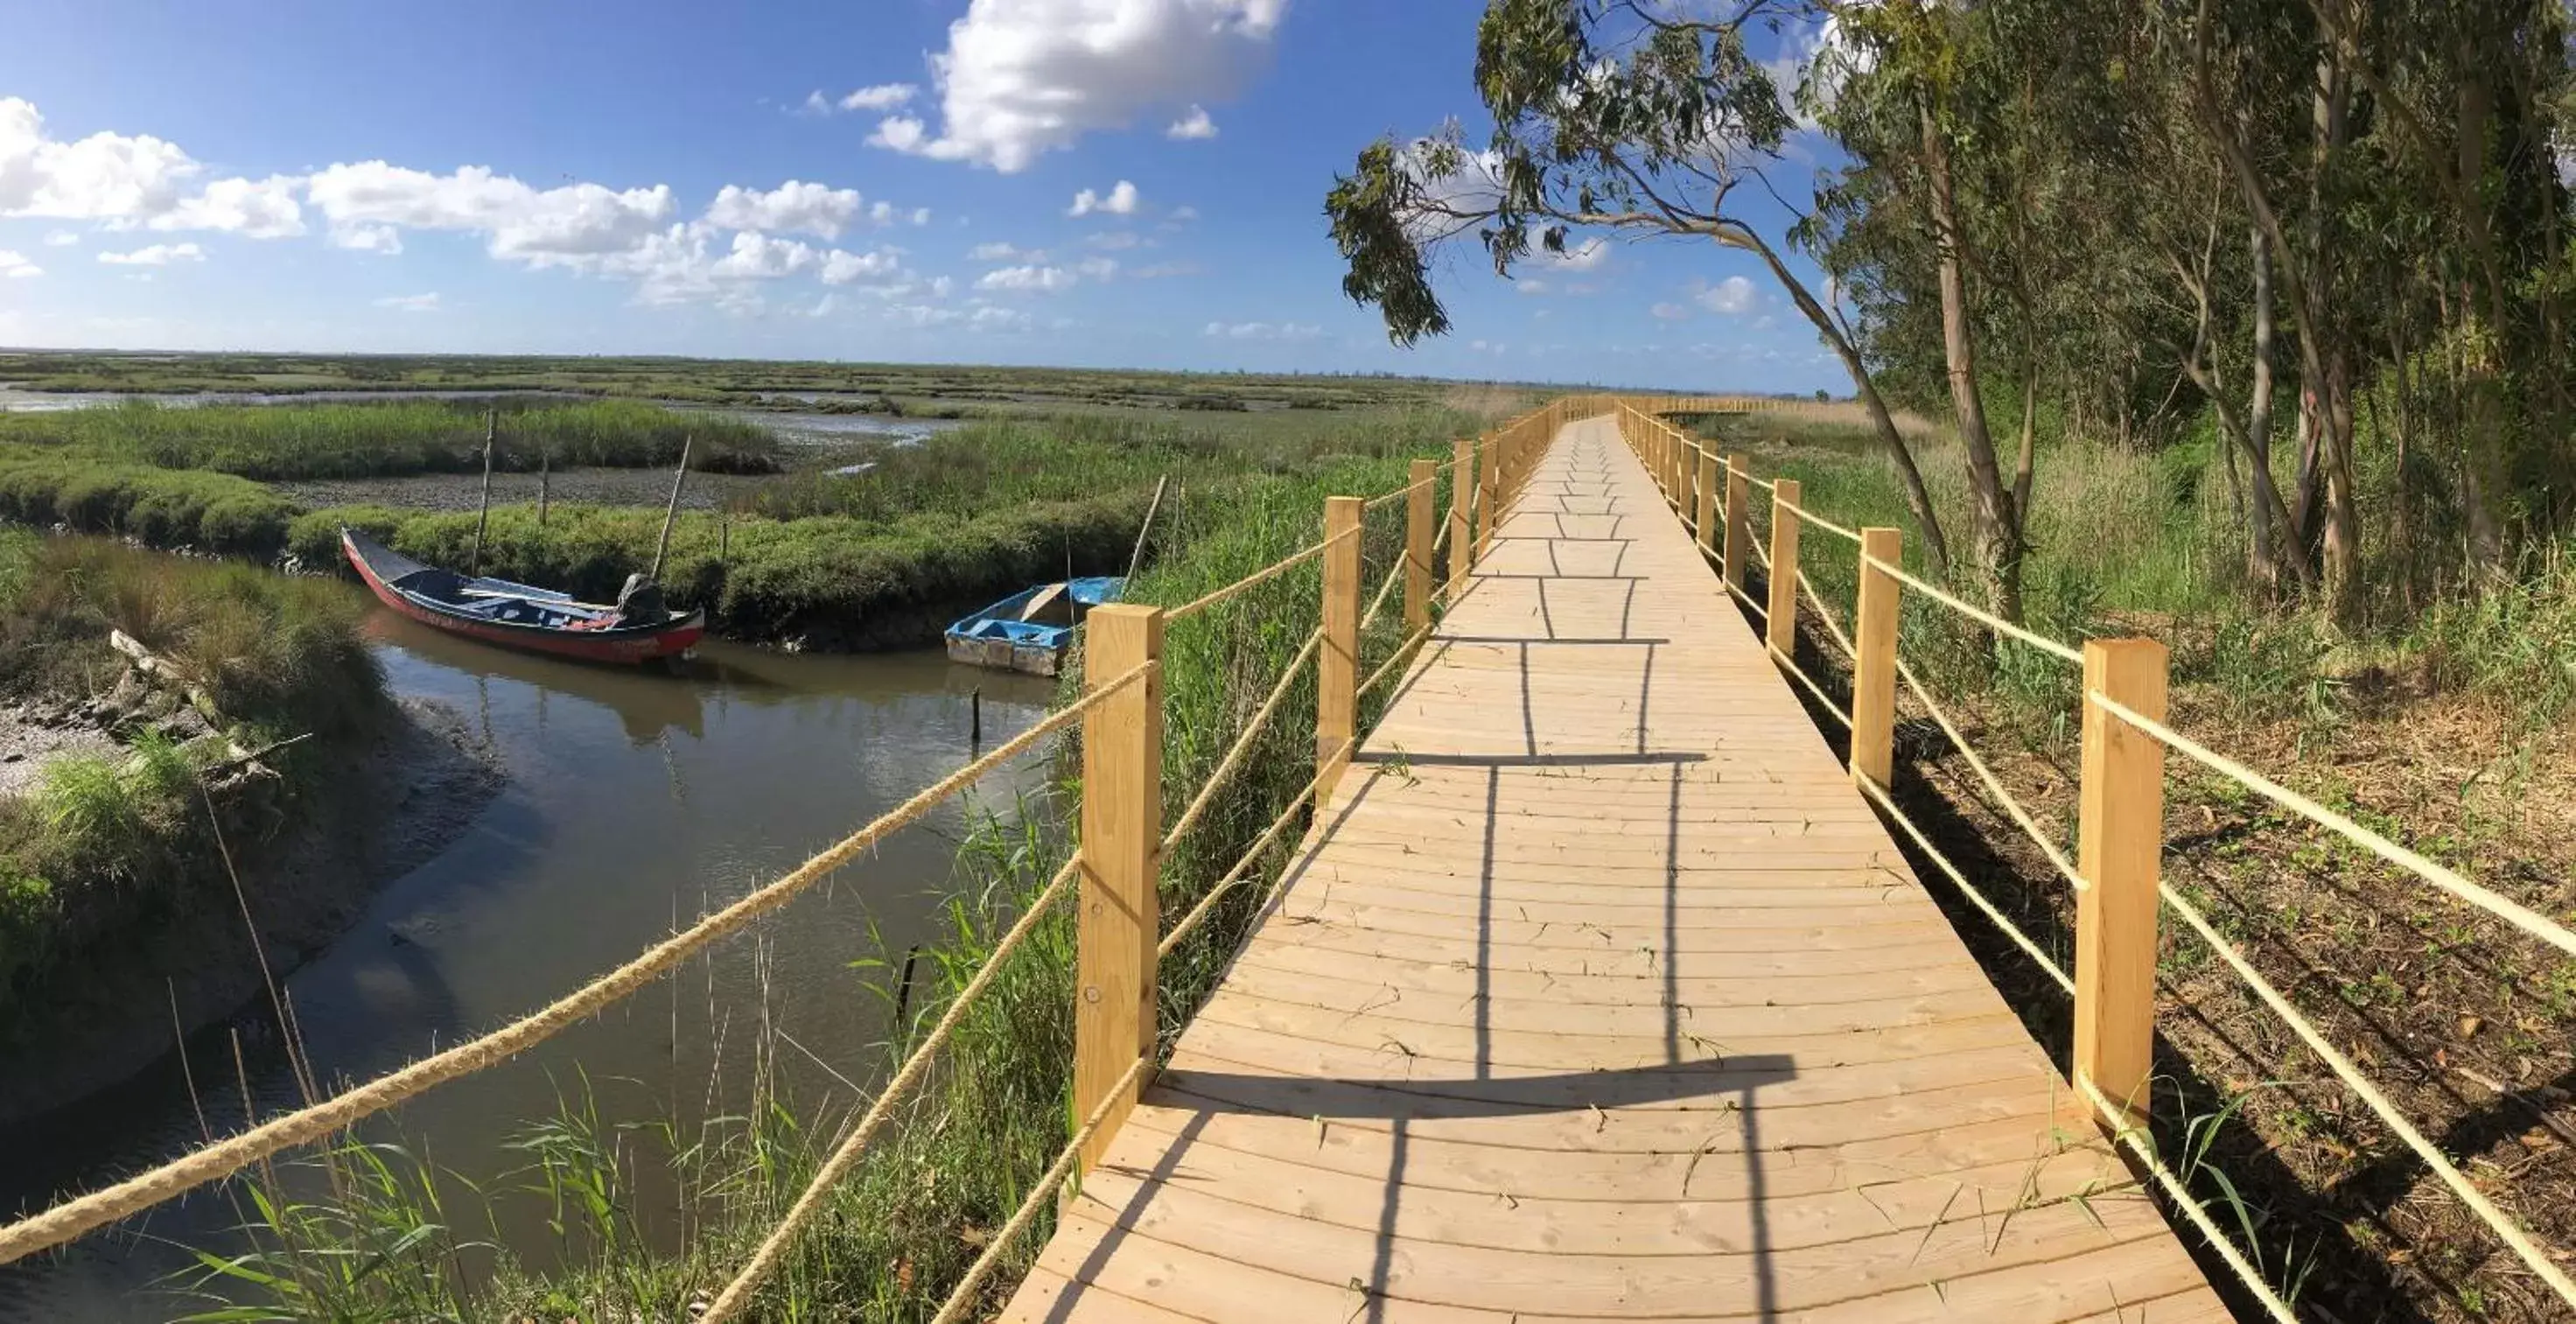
(155, 255)
(756, 256)
(1263, 331)
(1097, 268)
(61, 238)
(1670, 312)
(383, 239)
(1120, 202)
(1529, 285)
(921, 216)
(1020, 78)
(583, 226)
(825, 306)
(1161, 270)
(105, 176)
(1027, 279)
(15, 266)
(1114, 240)
(1183, 215)
(410, 303)
(883, 96)
(1487, 347)
(840, 268)
(815, 104)
(1000, 251)
(1731, 296)
(795, 207)
(252, 208)
(1195, 125)
(130, 180)
(983, 317)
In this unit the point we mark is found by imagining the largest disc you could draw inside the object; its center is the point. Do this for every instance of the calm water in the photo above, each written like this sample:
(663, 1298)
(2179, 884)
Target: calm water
(634, 802)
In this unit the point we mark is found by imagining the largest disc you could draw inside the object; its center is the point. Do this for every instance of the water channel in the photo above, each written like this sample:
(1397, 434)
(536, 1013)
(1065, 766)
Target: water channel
(634, 802)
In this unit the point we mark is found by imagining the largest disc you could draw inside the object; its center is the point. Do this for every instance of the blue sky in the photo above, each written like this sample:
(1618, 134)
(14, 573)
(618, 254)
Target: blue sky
(544, 178)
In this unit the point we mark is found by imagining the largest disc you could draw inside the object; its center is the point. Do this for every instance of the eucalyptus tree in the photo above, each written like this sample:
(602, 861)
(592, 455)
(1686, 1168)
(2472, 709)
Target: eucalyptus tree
(1628, 117)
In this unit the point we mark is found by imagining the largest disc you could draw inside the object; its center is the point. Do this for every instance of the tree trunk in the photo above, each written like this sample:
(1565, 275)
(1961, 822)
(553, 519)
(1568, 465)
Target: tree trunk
(1936, 549)
(2024, 466)
(2266, 562)
(2483, 324)
(1998, 526)
(2343, 511)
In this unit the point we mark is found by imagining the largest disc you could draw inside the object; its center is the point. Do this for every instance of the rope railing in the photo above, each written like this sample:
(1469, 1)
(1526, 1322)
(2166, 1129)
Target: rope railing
(1272, 571)
(1973, 612)
(2511, 912)
(1235, 754)
(961, 1298)
(775, 1246)
(2004, 798)
(1241, 871)
(2118, 1120)
(72, 1218)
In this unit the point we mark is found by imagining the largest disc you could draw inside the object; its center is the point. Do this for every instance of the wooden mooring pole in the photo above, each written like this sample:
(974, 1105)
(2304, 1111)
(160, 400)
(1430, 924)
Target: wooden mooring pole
(483, 516)
(671, 514)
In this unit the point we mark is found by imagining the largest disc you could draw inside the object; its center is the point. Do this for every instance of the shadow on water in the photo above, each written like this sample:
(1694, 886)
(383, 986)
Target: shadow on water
(634, 802)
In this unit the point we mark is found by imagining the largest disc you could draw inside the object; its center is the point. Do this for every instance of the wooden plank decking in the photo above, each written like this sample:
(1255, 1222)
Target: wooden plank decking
(1599, 993)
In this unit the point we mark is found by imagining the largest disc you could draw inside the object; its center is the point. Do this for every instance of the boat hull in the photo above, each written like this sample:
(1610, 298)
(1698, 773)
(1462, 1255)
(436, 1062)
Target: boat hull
(620, 646)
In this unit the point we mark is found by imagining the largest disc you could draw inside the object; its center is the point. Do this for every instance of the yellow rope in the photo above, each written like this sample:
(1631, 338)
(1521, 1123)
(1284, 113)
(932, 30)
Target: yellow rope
(1398, 494)
(2010, 930)
(961, 1297)
(1799, 674)
(1388, 667)
(2512, 912)
(1243, 743)
(1234, 877)
(774, 1247)
(1993, 622)
(1749, 604)
(2138, 1142)
(70, 1219)
(2505, 1228)
(1820, 521)
(1993, 783)
(1274, 569)
(1832, 627)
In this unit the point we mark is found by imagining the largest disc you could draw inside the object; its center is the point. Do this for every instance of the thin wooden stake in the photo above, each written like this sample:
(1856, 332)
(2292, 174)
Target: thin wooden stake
(545, 485)
(672, 514)
(2119, 849)
(1780, 618)
(1137, 558)
(1337, 663)
(1122, 832)
(1873, 714)
(483, 516)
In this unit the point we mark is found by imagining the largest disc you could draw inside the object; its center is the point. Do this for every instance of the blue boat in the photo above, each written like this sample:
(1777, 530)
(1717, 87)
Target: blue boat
(1029, 630)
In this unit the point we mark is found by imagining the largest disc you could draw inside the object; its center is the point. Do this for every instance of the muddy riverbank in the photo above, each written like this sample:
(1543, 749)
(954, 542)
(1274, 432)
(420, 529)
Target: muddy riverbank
(391, 803)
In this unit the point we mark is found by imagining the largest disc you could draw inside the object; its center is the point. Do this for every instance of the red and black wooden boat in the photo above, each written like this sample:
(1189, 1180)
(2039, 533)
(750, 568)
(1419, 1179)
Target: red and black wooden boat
(516, 615)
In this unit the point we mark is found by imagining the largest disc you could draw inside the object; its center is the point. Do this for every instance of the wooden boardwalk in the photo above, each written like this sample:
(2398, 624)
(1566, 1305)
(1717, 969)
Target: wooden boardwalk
(1598, 992)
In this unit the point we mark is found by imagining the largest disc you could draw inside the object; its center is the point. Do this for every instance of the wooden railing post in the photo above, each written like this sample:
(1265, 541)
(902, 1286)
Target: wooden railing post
(2119, 849)
(1489, 496)
(1780, 619)
(1873, 714)
(1462, 489)
(1423, 481)
(1337, 665)
(1114, 1020)
(1739, 517)
(1707, 512)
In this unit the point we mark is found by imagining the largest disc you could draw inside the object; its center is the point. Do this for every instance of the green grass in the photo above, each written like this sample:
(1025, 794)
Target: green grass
(984, 1126)
(307, 441)
(107, 843)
